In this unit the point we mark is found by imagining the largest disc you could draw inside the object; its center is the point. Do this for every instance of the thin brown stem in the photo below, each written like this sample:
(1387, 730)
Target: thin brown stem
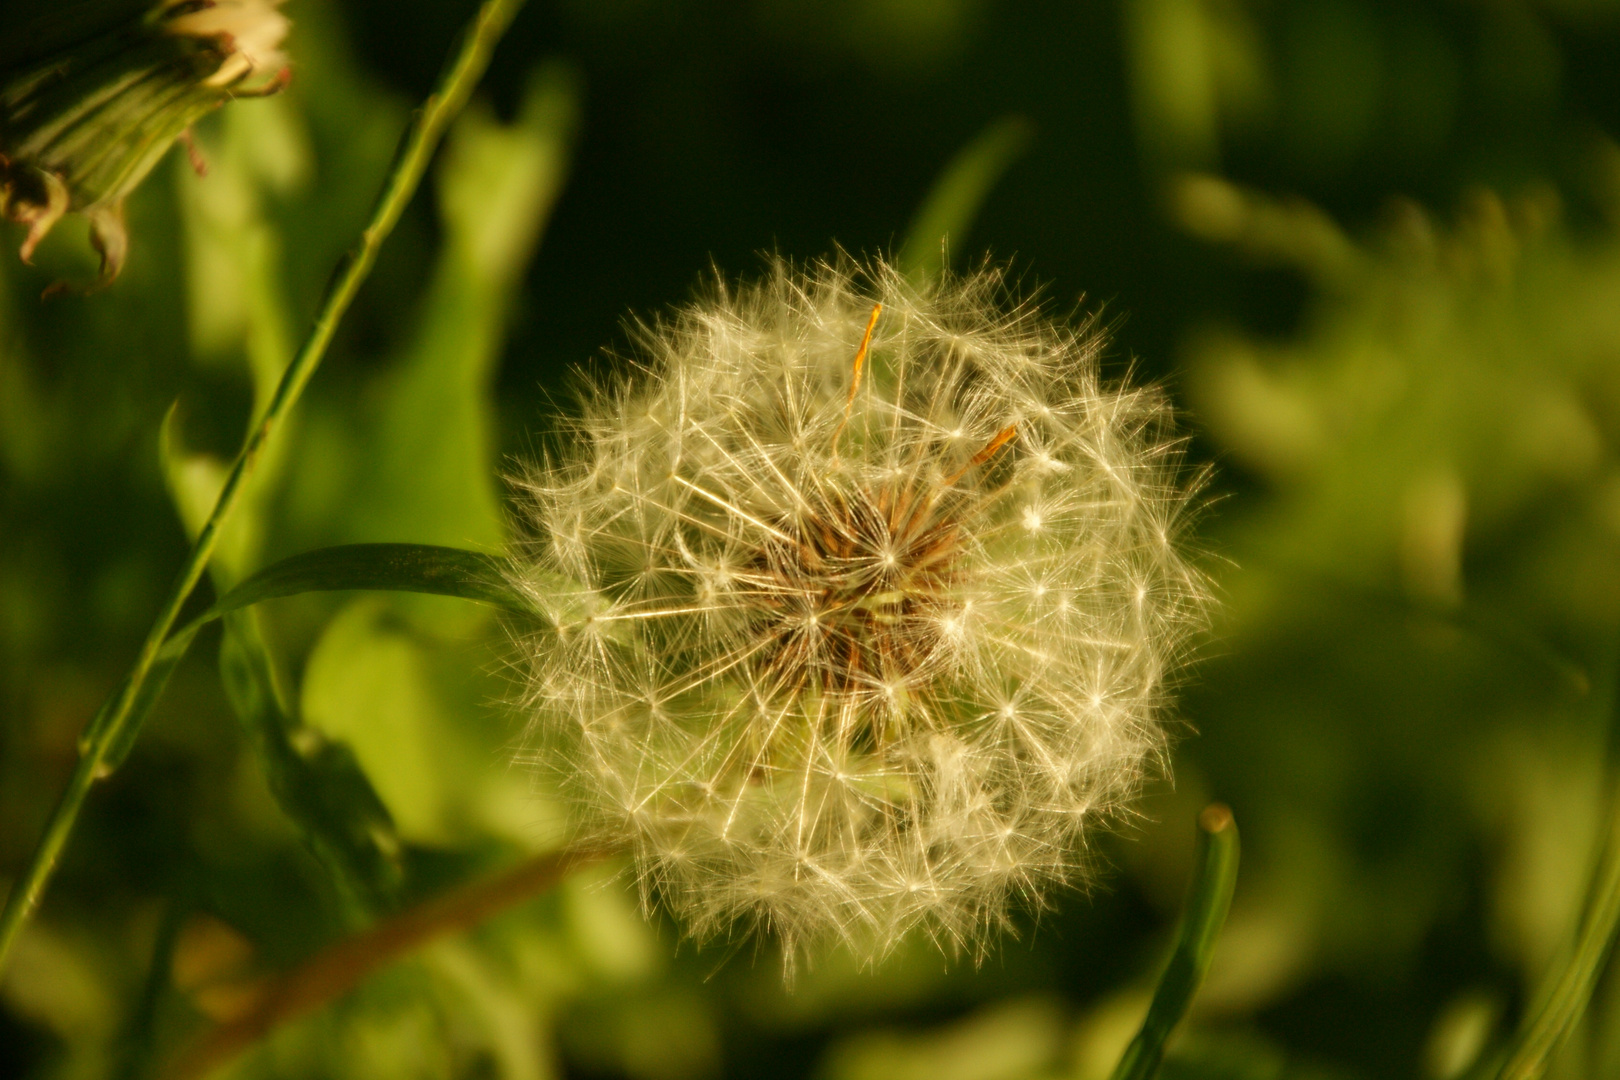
(336, 970)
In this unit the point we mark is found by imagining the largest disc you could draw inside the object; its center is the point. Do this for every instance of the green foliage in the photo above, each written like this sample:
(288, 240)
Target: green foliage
(317, 782)
(1413, 415)
(1433, 448)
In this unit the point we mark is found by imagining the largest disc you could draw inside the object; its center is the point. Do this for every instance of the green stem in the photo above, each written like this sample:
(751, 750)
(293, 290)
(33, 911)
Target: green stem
(1566, 998)
(1209, 897)
(141, 1031)
(106, 730)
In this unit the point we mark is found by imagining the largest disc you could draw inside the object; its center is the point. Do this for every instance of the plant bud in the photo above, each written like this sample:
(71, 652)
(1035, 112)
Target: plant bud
(82, 126)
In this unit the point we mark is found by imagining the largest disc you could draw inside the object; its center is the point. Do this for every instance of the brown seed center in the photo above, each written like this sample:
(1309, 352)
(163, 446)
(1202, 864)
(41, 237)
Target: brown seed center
(855, 591)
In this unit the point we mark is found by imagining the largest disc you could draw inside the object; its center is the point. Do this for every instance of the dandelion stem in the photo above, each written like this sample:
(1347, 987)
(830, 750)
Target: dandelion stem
(336, 970)
(109, 728)
(1214, 876)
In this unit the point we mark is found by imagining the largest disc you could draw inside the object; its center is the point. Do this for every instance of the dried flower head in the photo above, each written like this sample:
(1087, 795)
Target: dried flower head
(82, 126)
(249, 34)
(863, 599)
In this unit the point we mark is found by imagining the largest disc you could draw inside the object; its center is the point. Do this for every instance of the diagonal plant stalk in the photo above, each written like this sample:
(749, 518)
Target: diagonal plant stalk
(341, 967)
(113, 729)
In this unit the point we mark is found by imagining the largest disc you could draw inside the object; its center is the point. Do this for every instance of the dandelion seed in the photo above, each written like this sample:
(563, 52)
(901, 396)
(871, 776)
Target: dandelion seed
(836, 709)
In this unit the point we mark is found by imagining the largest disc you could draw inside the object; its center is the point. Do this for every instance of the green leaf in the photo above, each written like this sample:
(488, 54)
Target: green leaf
(194, 481)
(1177, 54)
(948, 211)
(1208, 898)
(317, 781)
(237, 309)
(497, 183)
(370, 684)
(419, 568)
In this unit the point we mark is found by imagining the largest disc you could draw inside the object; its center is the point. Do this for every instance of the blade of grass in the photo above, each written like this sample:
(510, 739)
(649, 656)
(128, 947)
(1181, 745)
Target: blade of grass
(1569, 990)
(418, 568)
(422, 568)
(1208, 898)
(108, 729)
(135, 1051)
(959, 193)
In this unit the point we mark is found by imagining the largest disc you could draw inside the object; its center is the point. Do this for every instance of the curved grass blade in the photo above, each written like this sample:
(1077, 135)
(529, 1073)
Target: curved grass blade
(1546, 1030)
(420, 568)
(1569, 990)
(1208, 898)
(117, 725)
(956, 197)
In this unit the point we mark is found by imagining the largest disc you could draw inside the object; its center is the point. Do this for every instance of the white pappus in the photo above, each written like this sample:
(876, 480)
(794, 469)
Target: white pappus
(862, 600)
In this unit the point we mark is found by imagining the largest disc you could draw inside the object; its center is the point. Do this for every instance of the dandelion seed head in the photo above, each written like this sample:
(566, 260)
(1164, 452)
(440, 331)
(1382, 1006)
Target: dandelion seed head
(870, 619)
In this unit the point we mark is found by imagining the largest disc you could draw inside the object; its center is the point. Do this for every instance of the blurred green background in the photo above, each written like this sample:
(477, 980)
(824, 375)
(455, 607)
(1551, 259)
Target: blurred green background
(1371, 247)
